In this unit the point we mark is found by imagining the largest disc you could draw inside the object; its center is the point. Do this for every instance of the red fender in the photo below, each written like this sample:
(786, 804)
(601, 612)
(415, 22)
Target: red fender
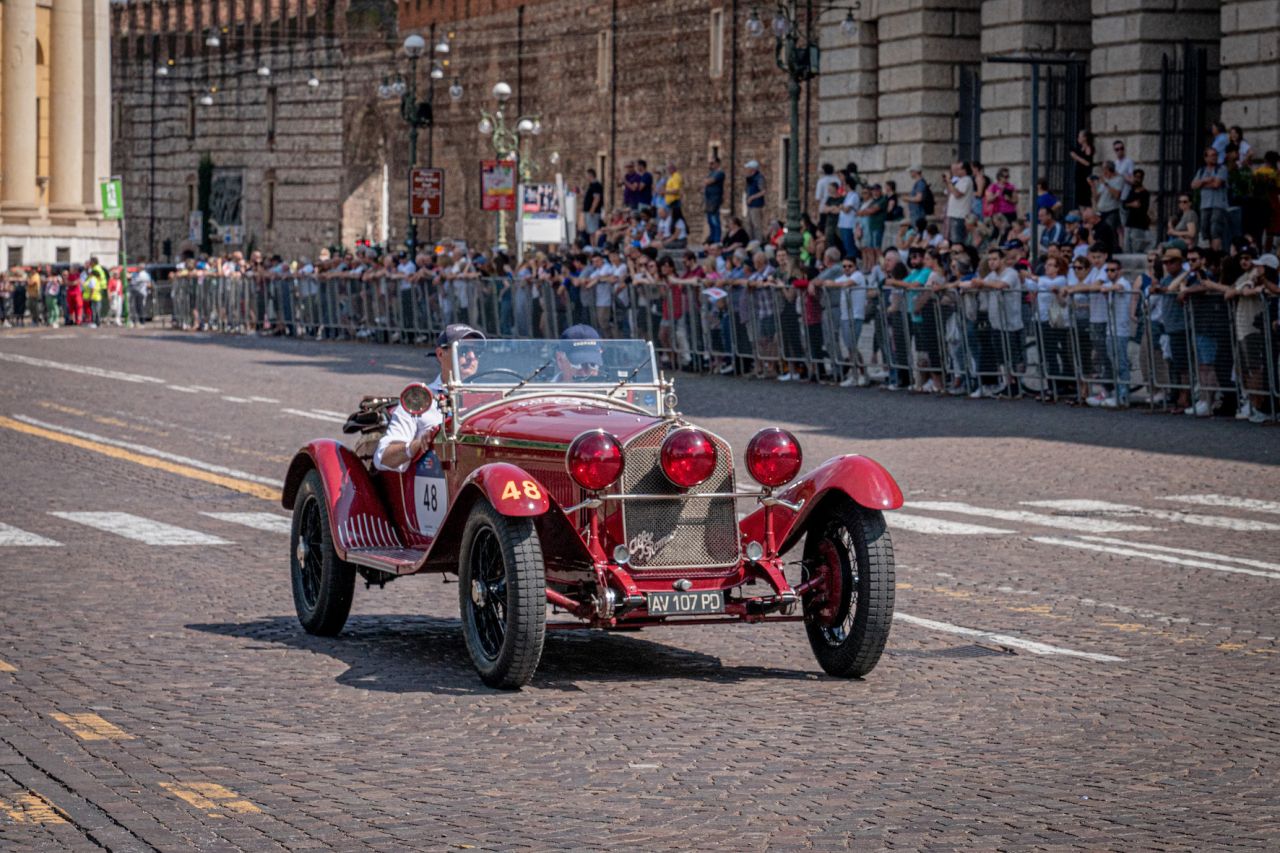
(864, 480)
(357, 518)
(512, 490)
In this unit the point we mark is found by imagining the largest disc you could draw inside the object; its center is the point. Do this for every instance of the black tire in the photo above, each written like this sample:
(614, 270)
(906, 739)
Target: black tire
(848, 631)
(323, 585)
(502, 592)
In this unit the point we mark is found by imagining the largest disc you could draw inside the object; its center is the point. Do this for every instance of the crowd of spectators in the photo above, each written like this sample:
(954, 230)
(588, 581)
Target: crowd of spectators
(950, 286)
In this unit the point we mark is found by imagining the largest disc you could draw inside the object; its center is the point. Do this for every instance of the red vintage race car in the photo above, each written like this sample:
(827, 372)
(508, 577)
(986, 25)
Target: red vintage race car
(591, 497)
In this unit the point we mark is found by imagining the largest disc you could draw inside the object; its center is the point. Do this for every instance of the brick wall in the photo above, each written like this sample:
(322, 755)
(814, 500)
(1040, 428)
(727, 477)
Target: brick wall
(1250, 78)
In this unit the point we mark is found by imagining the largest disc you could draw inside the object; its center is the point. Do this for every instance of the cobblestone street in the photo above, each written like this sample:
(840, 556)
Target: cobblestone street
(1084, 653)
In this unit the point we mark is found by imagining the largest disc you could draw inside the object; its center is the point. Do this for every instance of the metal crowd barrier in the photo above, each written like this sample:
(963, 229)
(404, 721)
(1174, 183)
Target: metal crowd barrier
(1112, 348)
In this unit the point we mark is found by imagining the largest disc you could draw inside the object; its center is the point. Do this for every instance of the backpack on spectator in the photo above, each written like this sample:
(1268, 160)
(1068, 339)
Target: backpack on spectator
(927, 202)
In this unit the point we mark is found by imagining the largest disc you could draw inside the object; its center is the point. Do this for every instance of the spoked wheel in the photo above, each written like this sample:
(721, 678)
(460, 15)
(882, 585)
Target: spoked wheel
(848, 617)
(502, 594)
(323, 585)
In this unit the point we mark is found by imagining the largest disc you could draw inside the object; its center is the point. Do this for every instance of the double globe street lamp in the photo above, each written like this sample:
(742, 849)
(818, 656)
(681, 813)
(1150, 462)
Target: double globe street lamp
(797, 54)
(507, 143)
(417, 114)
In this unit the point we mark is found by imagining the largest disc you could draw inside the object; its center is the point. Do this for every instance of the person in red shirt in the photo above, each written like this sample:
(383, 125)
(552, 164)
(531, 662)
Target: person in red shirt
(75, 297)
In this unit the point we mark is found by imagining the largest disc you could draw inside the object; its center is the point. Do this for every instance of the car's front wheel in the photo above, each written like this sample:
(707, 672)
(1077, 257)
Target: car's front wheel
(502, 594)
(848, 617)
(323, 585)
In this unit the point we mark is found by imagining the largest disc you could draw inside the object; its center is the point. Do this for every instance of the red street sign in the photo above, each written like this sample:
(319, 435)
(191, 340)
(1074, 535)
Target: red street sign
(426, 193)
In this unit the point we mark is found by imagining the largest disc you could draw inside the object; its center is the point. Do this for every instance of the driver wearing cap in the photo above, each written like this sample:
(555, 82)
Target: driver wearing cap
(578, 355)
(409, 435)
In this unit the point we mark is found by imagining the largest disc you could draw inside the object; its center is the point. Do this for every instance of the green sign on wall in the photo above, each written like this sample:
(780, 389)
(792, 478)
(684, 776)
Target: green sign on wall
(112, 199)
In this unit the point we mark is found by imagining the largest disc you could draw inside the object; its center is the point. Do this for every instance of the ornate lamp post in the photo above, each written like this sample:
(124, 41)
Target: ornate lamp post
(417, 114)
(797, 54)
(509, 143)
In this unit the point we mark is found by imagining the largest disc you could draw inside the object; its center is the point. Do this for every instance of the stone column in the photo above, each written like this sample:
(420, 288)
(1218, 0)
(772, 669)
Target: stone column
(1022, 28)
(98, 136)
(1129, 40)
(1251, 72)
(847, 97)
(18, 142)
(66, 117)
(920, 46)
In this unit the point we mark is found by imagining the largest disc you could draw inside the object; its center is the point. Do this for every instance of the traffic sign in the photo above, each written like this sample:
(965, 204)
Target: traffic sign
(426, 193)
(112, 198)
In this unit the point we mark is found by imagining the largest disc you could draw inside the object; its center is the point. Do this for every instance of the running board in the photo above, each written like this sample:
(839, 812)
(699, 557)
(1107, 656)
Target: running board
(394, 561)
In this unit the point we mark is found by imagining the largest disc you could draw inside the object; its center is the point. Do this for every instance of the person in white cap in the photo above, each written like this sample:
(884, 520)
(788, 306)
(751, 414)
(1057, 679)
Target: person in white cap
(754, 198)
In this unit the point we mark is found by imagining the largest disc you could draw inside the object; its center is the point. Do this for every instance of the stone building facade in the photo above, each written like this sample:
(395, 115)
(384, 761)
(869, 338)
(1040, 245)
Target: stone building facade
(55, 140)
(920, 83)
(290, 166)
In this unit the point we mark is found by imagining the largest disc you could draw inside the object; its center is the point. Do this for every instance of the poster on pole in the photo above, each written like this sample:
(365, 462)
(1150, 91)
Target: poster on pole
(112, 198)
(541, 214)
(426, 193)
(497, 185)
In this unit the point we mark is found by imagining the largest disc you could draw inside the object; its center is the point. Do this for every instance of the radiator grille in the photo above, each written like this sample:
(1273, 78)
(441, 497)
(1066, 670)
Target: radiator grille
(699, 533)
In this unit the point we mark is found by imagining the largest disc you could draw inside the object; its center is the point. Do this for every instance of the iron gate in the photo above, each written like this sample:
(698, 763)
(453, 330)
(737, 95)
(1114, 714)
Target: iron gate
(1188, 102)
(969, 119)
(1066, 111)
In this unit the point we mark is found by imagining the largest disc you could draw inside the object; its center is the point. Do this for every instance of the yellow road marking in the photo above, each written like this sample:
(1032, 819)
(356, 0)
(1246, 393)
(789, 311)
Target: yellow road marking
(32, 808)
(67, 410)
(91, 727)
(5, 666)
(258, 490)
(210, 797)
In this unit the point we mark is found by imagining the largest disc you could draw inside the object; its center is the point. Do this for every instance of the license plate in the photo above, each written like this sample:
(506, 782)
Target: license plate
(682, 603)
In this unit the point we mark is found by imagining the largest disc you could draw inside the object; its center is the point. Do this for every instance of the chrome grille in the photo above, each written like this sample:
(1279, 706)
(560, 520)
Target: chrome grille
(701, 533)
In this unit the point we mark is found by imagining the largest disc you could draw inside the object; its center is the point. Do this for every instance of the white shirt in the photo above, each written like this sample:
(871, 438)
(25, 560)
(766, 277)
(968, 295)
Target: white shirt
(820, 189)
(849, 218)
(1119, 321)
(406, 268)
(1010, 300)
(852, 296)
(404, 428)
(1045, 296)
(1097, 301)
(1124, 168)
(961, 206)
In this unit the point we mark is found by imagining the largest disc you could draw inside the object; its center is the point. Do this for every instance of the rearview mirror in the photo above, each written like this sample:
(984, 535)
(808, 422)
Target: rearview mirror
(416, 398)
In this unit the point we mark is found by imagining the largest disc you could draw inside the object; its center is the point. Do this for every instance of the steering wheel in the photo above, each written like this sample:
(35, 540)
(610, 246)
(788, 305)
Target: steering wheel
(473, 377)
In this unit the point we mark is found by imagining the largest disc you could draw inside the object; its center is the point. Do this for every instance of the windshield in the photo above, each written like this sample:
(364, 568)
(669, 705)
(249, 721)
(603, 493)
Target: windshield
(491, 369)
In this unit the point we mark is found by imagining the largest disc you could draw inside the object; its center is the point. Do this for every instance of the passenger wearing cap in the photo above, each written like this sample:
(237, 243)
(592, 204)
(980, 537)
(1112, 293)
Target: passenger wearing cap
(409, 435)
(578, 355)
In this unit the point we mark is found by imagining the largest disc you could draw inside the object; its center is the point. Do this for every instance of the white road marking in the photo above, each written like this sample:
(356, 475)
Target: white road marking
(330, 414)
(141, 529)
(924, 524)
(1208, 555)
(231, 399)
(1161, 558)
(1252, 504)
(87, 370)
(185, 389)
(315, 416)
(1219, 521)
(264, 400)
(1005, 639)
(1091, 525)
(205, 388)
(151, 451)
(268, 521)
(14, 536)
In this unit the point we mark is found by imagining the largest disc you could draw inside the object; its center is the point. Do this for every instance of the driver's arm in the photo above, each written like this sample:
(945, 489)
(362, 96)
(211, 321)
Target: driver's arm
(407, 436)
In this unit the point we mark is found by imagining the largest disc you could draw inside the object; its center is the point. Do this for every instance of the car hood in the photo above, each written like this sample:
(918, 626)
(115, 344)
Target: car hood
(555, 420)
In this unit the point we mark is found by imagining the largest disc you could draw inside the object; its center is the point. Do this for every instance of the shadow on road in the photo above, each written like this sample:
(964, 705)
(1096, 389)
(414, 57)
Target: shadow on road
(854, 414)
(417, 654)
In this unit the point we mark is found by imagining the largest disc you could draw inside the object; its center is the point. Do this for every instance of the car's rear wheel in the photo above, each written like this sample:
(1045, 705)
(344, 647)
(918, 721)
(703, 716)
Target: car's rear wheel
(848, 617)
(323, 585)
(502, 594)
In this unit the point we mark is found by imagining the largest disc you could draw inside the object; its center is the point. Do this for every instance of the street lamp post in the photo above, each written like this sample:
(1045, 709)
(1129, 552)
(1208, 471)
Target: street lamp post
(417, 114)
(797, 55)
(507, 143)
